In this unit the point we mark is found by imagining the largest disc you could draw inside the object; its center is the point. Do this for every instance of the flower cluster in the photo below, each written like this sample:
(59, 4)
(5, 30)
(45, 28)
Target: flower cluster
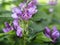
(24, 11)
(8, 27)
(16, 27)
(53, 34)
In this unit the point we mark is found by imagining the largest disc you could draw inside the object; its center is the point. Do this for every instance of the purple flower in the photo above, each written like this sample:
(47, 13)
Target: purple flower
(53, 34)
(25, 11)
(15, 23)
(32, 10)
(26, 15)
(32, 3)
(52, 2)
(16, 10)
(22, 6)
(6, 30)
(14, 15)
(19, 31)
(17, 28)
(47, 32)
(8, 27)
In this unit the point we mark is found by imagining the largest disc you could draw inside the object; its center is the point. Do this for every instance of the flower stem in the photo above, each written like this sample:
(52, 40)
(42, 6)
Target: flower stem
(25, 30)
(24, 41)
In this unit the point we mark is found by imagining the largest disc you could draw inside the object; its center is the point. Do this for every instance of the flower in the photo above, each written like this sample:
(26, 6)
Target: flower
(52, 2)
(17, 28)
(16, 10)
(54, 34)
(15, 24)
(26, 15)
(32, 10)
(47, 32)
(14, 16)
(8, 27)
(25, 11)
(22, 6)
(19, 31)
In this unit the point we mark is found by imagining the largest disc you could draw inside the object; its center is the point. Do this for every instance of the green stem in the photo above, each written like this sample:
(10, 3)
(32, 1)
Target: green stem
(25, 26)
(24, 41)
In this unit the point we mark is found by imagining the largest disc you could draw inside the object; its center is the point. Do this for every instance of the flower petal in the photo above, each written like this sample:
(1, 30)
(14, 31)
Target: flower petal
(54, 28)
(6, 30)
(19, 31)
(7, 25)
(14, 16)
(47, 35)
(16, 10)
(47, 30)
(32, 10)
(55, 34)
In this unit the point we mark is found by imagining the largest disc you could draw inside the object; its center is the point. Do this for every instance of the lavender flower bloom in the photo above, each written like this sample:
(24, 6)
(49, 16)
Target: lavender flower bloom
(6, 30)
(17, 28)
(26, 15)
(54, 34)
(8, 27)
(32, 3)
(19, 31)
(52, 2)
(47, 32)
(14, 16)
(16, 10)
(15, 23)
(22, 6)
(25, 11)
(32, 10)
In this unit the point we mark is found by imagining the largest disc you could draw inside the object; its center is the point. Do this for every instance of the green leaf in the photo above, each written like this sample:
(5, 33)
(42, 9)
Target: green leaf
(35, 27)
(42, 38)
(41, 14)
(5, 35)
